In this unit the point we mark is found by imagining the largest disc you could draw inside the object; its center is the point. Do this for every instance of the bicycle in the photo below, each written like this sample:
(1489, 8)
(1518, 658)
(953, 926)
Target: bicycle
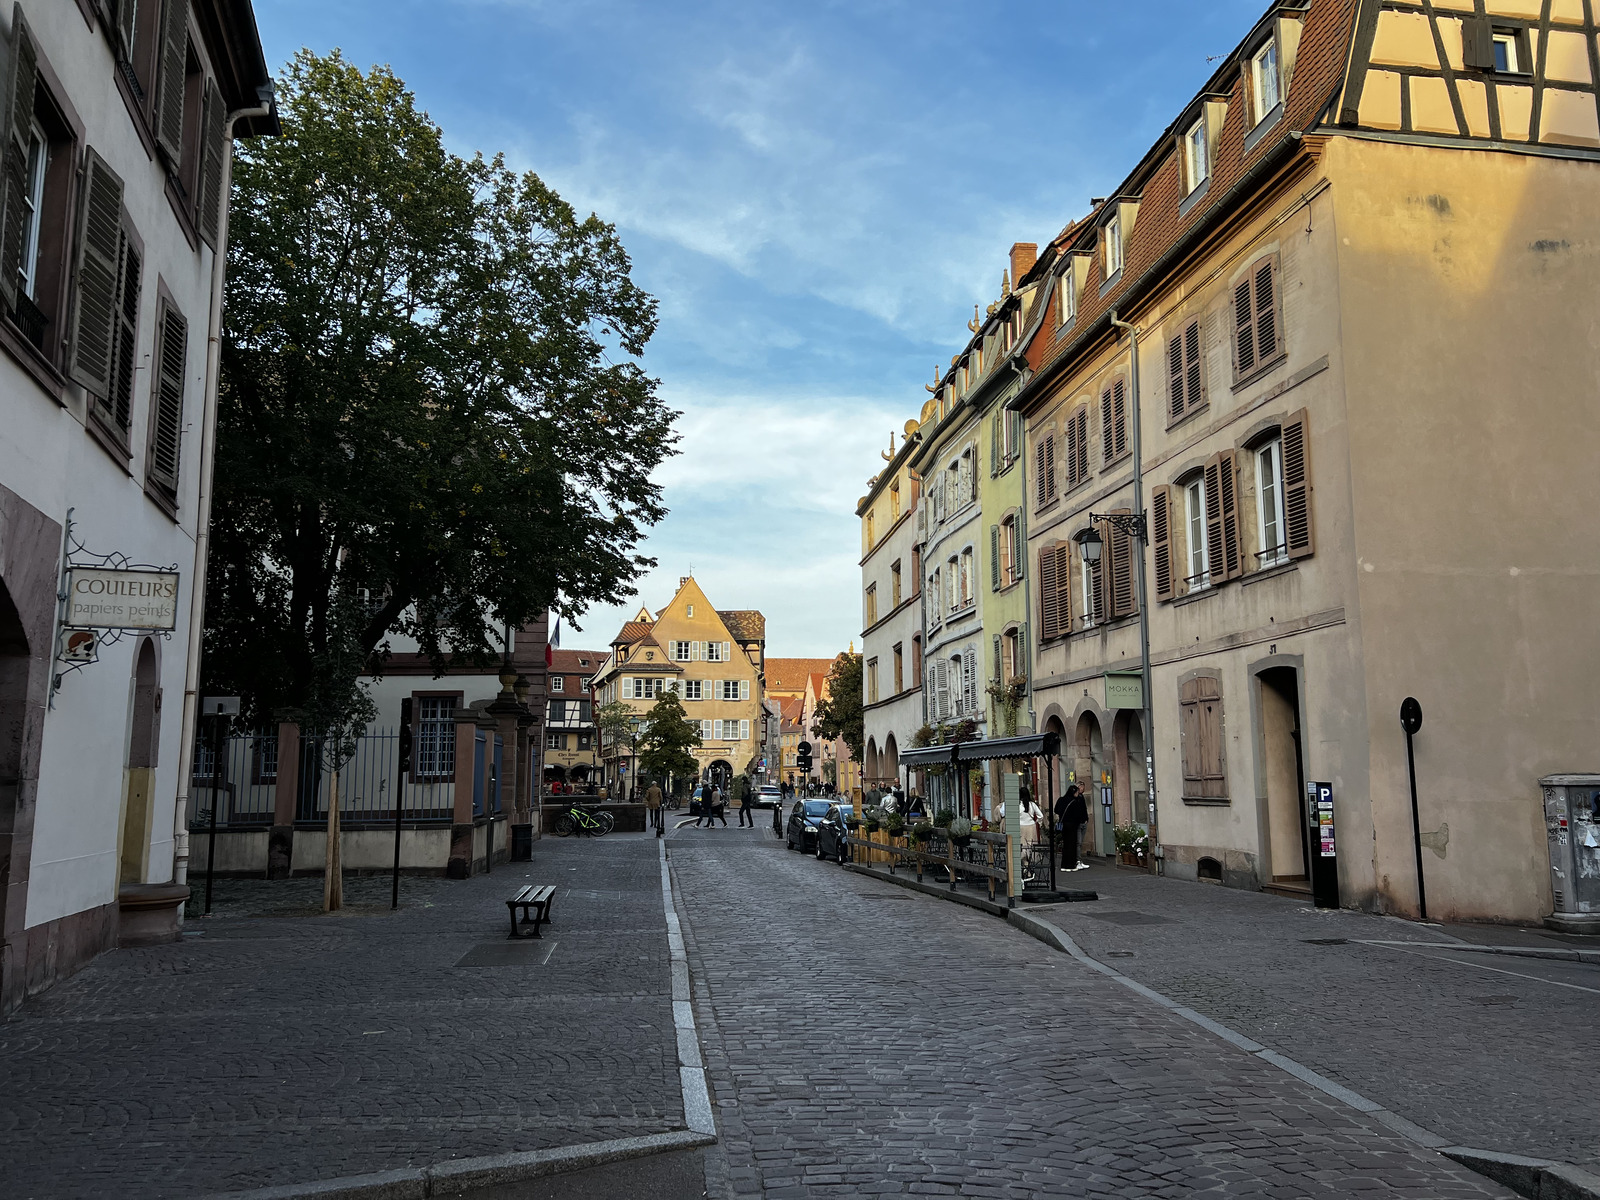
(578, 819)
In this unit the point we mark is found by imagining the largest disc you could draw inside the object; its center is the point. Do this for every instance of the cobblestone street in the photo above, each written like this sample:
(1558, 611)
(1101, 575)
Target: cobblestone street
(868, 1041)
(268, 1048)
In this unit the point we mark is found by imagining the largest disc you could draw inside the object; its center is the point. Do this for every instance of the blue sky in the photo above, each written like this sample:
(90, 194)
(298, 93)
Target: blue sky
(817, 193)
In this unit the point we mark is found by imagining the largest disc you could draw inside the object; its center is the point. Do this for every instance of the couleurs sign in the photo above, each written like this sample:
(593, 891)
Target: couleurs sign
(99, 598)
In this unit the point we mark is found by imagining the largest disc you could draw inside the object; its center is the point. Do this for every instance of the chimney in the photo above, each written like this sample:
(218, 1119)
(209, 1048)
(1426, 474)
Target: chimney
(682, 579)
(1023, 256)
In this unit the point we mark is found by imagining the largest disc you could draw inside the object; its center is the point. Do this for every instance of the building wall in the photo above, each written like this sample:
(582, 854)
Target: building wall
(946, 634)
(894, 716)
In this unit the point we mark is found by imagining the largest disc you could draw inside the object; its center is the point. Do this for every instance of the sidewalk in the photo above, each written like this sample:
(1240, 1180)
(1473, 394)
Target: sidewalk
(1481, 1049)
(278, 1045)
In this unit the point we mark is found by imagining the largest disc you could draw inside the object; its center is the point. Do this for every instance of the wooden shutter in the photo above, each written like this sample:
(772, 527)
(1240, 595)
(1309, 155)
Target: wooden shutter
(999, 666)
(1024, 663)
(99, 245)
(1477, 43)
(1175, 377)
(1070, 448)
(1208, 715)
(1016, 547)
(1048, 583)
(1119, 549)
(969, 680)
(1266, 312)
(1040, 453)
(172, 67)
(1297, 489)
(1214, 548)
(994, 558)
(212, 149)
(1161, 540)
(172, 346)
(1194, 393)
(118, 406)
(1119, 416)
(994, 447)
(1082, 465)
(1244, 329)
(744, 689)
(1107, 439)
(1228, 479)
(1063, 591)
(744, 729)
(1190, 737)
(17, 116)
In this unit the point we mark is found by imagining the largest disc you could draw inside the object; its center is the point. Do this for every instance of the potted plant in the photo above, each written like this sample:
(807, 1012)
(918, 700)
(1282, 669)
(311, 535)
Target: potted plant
(960, 831)
(872, 818)
(1133, 844)
(852, 823)
(943, 817)
(895, 824)
(922, 831)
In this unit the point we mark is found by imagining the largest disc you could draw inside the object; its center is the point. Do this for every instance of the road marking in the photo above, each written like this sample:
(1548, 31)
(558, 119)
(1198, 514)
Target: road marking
(1466, 962)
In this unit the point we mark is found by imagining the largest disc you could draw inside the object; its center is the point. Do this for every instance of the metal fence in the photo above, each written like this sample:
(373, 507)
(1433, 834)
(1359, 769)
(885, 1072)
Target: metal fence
(370, 783)
(249, 781)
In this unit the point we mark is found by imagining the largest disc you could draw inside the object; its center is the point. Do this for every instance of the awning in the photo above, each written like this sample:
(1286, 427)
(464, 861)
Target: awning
(927, 756)
(1033, 745)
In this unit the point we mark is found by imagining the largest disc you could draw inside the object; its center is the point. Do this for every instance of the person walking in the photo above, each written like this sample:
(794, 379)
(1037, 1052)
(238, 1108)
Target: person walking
(705, 805)
(1072, 812)
(746, 803)
(719, 807)
(652, 803)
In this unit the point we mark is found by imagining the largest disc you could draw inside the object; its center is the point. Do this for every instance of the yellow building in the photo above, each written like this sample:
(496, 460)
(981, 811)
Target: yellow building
(712, 658)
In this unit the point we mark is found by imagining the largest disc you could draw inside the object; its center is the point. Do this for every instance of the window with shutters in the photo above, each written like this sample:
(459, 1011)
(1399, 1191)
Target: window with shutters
(1114, 421)
(899, 668)
(872, 605)
(1044, 471)
(166, 403)
(872, 681)
(1194, 526)
(1185, 372)
(968, 590)
(1010, 552)
(718, 651)
(1201, 733)
(1257, 339)
(1269, 504)
(1075, 460)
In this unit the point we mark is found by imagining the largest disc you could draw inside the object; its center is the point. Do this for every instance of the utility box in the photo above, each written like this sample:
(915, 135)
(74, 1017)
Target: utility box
(1572, 821)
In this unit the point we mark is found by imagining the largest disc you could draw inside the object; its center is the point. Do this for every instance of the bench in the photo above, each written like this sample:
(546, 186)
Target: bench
(534, 897)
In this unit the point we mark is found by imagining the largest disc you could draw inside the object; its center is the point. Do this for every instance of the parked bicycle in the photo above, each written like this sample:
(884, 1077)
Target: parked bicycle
(578, 819)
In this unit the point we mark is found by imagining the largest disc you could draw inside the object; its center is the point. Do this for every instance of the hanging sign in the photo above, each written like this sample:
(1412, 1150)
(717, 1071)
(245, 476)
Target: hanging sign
(106, 598)
(1124, 689)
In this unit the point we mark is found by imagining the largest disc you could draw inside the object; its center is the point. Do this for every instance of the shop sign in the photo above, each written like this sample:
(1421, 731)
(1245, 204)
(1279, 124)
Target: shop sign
(107, 598)
(1124, 689)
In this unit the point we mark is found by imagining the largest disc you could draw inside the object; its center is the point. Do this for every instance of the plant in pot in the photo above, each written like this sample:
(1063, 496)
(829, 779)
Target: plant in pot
(960, 831)
(922, 831)
(943, 817)
(852, 823)
(1133, 843)
(895, 824)
(872, 818)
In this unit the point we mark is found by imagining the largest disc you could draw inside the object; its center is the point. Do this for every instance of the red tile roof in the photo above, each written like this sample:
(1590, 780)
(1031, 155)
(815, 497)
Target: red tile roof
(790, 674)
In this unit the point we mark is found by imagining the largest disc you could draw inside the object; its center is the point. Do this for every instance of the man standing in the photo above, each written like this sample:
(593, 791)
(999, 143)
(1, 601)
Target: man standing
(652, 804)
(1073, 812)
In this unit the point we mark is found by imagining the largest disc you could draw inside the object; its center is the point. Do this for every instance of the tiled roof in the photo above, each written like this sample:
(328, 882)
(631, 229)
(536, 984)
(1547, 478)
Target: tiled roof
(790, 674)
(745, 624)
(633, 631)
(570, 662)
(1318, 71)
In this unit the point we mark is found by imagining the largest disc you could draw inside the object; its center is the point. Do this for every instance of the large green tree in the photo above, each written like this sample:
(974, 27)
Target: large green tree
(666, 738)
(432, 419)
(841, 713)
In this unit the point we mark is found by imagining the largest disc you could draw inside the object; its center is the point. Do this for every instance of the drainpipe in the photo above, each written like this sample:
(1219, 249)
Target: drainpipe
(202, 532)
(1144, 605)
(1022, 536)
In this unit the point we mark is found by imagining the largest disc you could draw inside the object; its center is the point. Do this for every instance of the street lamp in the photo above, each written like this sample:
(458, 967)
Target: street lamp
(634, 725)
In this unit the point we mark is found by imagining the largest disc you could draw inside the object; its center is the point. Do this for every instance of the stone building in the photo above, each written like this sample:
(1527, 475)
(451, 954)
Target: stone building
(117, 138)
(1358, 265)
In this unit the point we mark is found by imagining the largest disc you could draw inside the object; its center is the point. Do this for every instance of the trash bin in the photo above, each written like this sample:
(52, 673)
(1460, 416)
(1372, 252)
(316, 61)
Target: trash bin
(522, 843)
(1572, 821)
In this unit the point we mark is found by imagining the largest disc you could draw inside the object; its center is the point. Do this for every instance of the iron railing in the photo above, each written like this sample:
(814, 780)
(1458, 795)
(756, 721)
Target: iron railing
(249, 780)
(369, 784)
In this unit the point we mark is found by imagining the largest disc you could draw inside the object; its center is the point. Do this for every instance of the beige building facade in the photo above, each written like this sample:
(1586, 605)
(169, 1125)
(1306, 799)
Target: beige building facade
(1360, 283)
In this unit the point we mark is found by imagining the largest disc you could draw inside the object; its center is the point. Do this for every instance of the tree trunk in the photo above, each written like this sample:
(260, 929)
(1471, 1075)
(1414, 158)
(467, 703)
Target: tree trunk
(332, 869)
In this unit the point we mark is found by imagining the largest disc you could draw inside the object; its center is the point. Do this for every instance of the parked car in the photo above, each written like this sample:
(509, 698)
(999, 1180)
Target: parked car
(801, 831)
(770, 796)
(832, 831)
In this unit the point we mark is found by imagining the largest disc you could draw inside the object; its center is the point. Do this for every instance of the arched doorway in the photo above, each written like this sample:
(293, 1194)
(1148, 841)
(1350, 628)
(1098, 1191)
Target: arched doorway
(719, 772)
(870, 764)
(140, 776)
(1091, 770)
(1130, 794)
(580, 773)
(890, 762)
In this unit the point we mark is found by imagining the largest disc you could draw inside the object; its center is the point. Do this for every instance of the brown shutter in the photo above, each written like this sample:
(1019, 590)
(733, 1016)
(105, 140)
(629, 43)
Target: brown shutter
(118, 407)
(172, 347)
(1215, 568)
(1189, 734)
(1244, 330)
(1477, 43)
(212, 148)
(1175, 377)
(1083, 443)
(1119, 417)
(18, 117)
(1063, 591)
(1213, 772)
(1266, 312)
(1107, 437)
(1119, 547)
(1297, 522)
(1040, 454)
(1195, 392)
(172, 66)
(1228, 478)
(1050, 467)
(1069, 440)
(99, 246)
(1047, 587)
(1161, 540)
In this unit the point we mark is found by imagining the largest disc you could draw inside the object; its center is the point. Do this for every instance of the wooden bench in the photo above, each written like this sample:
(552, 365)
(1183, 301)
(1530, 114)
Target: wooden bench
(536, 898)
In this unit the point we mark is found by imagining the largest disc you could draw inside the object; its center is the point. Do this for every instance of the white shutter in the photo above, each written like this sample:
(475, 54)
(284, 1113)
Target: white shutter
(744, 689)
(727, 651)
(744, 731)
(627, 688)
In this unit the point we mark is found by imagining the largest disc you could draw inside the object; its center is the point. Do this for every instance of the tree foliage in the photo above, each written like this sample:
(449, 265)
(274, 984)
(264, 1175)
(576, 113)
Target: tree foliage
(431, 420)
(666, 738)
(840, 714)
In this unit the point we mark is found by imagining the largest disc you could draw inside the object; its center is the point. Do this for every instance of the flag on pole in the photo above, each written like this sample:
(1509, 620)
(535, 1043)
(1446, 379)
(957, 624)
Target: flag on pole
(552, 643)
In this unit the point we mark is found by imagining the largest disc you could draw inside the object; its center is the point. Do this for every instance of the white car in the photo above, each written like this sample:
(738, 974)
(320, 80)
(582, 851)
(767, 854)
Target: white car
(769, 796)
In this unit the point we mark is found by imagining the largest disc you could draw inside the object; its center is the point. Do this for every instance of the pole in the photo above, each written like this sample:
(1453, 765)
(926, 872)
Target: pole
(1144, 606)
(1416, 828)
(217, 743)
(1050, 815)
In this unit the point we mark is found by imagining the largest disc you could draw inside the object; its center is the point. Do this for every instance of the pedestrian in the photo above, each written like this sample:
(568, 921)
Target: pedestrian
(746, 804)
(719, 807)
(1072, 813)
(703, 813)
(652, 803)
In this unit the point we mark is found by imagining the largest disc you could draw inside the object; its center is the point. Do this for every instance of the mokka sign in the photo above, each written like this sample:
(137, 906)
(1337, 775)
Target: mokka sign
(102, 598)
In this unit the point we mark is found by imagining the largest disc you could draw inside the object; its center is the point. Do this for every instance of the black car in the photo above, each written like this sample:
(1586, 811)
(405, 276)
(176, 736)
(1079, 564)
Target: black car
(832, 831)
(801, 831)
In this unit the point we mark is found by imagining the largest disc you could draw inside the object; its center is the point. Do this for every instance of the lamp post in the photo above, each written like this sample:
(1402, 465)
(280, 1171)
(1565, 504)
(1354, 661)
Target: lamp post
(634, 725)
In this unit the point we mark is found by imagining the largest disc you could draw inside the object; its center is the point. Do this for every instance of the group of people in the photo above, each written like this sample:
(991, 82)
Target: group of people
(713, 805)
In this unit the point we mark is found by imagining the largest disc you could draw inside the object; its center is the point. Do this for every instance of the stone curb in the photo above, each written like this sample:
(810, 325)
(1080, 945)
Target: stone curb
(460, 1177)
(1582, 956)
(993, 907)
(1537, 1179)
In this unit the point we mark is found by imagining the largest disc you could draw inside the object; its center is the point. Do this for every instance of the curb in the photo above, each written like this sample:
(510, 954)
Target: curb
(697, 1113)
(1582, 956)
(460, 1176)
(1535, 1178)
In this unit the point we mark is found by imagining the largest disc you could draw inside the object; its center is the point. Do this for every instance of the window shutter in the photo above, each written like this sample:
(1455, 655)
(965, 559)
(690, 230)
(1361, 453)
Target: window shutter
(118, 407)
(172, 352)
(18, 117)
(1214, 557)
(1194, 393)
(174, 52)
(1048, 583)
(99, 241)
(1297, 484)
(994, 558)
(727, 651)
(1266, 312)
(1083, 443)
(1175, 377)
(1119, 545)
(1069, 444)
(1477, 43)
(13, 193)
(1189, 734)
(1161, 540)
(1228, 476)
(1213, 770)
(744, 689)
(1244, 330)
(23, 76)
(1039, 452)
(999, 667)
(1063, 589)
(1024, 663)
(994, 447)
(969, 680)
(744, 730)
(1119, 418)
(212, 149)
(1105, 427)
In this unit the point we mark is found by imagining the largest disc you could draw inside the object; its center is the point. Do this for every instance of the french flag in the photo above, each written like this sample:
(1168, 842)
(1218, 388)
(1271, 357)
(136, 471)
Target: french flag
(552, 644)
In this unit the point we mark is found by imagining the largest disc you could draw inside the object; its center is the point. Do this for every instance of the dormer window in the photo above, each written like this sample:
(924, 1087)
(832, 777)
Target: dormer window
(1196, 160)
(1113, 245)
(1264, 80)
(1066, 296)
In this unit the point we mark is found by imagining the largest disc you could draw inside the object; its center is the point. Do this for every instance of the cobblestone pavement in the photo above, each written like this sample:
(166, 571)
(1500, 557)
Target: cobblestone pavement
(863, 1041)
(269, 1048)
(1487, 1051)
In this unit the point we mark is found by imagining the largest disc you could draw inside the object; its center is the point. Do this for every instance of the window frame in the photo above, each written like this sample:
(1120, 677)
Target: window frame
(1195, 175)
(445, 745)
(1112, 249)
(558, 683)
(1260, 110)
(1194, 510)
(1276, 553)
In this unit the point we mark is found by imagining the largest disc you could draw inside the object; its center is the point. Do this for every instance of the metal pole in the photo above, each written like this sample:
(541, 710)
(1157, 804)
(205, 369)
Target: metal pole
(1050, 814)
(1416, 828)
(399, 807)
(1144, 605)
(217, 744)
